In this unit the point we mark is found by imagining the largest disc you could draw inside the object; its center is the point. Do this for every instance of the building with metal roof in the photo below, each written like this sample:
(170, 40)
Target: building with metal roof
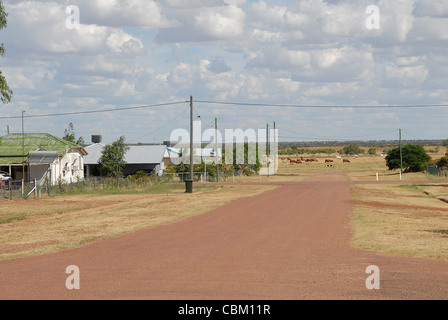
(41, 156)
(148, 158)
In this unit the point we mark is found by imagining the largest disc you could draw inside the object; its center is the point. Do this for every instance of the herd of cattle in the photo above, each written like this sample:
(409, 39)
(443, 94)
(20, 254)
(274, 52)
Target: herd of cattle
(303, 160)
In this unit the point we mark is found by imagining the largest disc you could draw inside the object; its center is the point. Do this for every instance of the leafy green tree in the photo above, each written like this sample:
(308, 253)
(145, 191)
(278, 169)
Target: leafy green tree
(414, 158)
(69, 135)
(352, 150)
(112, 160)
(372, 151)
(5, 92)
(443, 162)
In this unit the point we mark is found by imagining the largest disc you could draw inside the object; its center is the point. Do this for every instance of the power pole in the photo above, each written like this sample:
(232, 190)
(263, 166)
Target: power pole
(275, 150)
(268, 147)
(23, 154)
(190, 181)
(191, 139)
(217, 150)
(401, 158)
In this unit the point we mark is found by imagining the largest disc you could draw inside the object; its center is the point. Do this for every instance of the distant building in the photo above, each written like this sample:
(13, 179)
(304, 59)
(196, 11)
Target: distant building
(175, 156)
(43, 157)
(148, 158)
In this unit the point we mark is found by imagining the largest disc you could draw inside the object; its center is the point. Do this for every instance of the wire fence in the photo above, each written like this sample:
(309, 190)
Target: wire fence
(14, 190)
(200, 177)
(437, 171)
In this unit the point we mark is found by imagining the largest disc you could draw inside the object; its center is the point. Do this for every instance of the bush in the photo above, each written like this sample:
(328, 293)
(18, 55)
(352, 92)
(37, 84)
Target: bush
(352, 150)
(443, 162)
(415, 158)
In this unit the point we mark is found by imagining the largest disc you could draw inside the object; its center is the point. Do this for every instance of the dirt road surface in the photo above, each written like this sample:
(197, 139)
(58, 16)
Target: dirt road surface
(291, 243)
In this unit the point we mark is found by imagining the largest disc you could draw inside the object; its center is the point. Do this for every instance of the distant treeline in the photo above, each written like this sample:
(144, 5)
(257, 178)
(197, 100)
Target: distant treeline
(365, 144)
(294, 150)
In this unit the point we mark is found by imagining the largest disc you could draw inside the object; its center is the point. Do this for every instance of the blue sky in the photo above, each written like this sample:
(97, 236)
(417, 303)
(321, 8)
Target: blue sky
(305, 53)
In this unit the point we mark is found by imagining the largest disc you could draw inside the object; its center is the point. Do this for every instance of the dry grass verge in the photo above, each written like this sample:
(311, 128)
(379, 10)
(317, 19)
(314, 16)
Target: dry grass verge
(408, 220)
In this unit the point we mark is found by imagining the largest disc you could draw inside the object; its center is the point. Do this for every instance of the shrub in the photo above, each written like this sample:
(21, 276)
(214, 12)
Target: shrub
(414, 158)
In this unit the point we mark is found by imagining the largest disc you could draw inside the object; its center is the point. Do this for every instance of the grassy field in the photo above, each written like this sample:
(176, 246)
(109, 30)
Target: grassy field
(408, 220)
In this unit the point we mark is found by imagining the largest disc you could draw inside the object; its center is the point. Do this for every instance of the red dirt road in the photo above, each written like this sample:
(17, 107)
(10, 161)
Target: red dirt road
(288, 244)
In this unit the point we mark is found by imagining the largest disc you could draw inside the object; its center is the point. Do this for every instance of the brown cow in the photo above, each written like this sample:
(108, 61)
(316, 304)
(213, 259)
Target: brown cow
(328, 161)
(346, 161)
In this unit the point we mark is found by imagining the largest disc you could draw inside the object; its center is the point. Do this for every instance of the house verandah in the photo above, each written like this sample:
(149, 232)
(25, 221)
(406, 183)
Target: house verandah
(41, 157)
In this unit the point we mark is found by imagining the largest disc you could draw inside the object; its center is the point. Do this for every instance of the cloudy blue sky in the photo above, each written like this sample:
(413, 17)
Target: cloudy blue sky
(304, 53)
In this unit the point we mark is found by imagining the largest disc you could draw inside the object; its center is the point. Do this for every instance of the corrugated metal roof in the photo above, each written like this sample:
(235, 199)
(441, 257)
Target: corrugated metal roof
(11, 146)
(95, 151)
(145, 154)
(42, 157)
(135, 154)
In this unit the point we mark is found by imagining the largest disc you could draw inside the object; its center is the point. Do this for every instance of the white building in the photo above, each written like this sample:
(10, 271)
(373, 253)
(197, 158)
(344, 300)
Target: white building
(41, 157)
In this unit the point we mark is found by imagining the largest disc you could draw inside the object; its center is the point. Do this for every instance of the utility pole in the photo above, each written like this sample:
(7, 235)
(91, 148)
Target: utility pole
(189, 183)
(23, 155)
(401, 157)
(268, 147)
(275, 150)
(217, 150)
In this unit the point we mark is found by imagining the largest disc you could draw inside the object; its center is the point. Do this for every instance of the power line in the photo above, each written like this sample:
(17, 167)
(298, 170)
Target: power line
(322, 106)
(323, 138)
(95, 111)
(163, 125)
(231, 104)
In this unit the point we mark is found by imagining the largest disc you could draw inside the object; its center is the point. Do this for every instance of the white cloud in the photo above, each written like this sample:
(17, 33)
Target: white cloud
(146, 14)
(304, 51)
(221, 22)
(408, 76)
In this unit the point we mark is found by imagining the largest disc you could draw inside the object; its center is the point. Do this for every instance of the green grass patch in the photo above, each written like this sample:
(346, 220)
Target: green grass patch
(4, 220)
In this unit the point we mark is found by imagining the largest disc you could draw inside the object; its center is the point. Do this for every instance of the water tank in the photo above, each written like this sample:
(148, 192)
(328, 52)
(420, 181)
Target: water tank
(97, 138)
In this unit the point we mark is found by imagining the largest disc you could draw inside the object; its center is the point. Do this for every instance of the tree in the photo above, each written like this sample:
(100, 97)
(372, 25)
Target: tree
(352, 150)
(443, 162)
(414, 158)
(5, 92)
(112, 160)
(69, 135)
